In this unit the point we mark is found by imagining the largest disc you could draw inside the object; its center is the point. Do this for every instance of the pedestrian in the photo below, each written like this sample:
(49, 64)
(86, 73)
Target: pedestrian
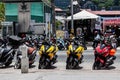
(113, 41)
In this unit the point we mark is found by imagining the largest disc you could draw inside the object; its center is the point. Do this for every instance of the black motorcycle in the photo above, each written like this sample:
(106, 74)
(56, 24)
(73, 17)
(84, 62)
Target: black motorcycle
(6, 56)
(7, 51)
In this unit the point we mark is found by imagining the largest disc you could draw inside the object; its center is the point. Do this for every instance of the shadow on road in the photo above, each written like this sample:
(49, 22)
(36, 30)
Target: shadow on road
(32, 66)
(4, 67)
(110, 68)
(52, 67)
(78, 68)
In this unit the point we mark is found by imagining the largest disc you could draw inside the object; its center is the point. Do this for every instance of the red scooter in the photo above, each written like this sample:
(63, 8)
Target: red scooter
(31, 56)
(104, 56)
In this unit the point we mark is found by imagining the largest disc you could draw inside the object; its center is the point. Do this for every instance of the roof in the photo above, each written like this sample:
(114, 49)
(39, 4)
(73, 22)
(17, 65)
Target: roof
(105, 12)
(75, 2)
(58, 9)
(83, 15)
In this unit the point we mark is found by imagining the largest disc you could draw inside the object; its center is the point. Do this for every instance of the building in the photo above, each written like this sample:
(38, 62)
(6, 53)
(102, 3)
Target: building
(109, 20)
(28, 13)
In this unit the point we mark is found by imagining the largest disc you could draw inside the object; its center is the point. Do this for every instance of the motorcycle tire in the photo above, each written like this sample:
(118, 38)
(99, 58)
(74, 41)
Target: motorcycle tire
(17, 64)
(7, 64)
(70, 64)
(42, 63)
(95, 66)
(42, 66)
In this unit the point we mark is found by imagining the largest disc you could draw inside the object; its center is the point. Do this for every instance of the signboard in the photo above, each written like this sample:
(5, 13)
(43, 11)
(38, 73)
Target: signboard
(111, 21)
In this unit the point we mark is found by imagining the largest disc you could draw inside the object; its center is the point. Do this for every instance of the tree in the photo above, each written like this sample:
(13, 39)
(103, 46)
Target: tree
(2, 12)
(103, 3)
(58, 23)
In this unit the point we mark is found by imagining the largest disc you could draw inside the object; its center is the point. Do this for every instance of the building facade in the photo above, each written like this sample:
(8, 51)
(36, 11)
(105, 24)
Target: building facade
(35, 12)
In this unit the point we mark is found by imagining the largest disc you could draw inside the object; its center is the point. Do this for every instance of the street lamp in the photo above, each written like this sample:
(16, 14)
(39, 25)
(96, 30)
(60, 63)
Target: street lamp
(72, 22)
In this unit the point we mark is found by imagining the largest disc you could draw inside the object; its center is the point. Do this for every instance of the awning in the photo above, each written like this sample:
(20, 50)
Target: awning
(11, 11)
(60, 18)
(36, 12)
(83, 15)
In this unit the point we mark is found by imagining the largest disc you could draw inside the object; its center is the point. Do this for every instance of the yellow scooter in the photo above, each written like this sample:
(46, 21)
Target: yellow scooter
(74, 55)
(47, 55)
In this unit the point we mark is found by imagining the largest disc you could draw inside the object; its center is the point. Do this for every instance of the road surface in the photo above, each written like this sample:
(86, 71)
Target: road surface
(59, 72)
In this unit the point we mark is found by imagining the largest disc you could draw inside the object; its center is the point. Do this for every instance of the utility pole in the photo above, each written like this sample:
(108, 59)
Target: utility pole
(72, 22)
(53, 17)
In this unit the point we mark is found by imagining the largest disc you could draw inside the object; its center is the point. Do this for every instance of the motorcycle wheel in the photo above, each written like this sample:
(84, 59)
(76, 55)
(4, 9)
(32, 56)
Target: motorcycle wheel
(96, 66)
(7, 64)
(42, 63)
(70, 64)
(17, 64)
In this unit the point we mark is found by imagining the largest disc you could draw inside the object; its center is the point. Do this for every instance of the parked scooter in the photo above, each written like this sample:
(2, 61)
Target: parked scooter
(31, 51)
(74, 53)
(104, 56)
(6, 55)
(48, 55)
(7, 51)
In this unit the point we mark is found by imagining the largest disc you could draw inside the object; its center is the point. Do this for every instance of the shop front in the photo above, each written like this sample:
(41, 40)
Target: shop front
(112, 25)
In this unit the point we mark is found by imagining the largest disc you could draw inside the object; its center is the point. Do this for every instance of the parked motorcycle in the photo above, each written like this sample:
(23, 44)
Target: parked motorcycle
(74, 54)
(60, 44)
(104, 57)
(48, 55)
(8, 50)
(6, 55)
(31, 51)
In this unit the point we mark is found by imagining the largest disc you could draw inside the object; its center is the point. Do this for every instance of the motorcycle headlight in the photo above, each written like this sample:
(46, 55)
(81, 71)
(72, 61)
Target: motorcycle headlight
(74, 48)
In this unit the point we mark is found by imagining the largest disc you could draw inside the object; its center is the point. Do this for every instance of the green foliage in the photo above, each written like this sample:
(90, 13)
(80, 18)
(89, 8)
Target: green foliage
(96, 1)
(2, 11)
(58, 23)
(103, 3)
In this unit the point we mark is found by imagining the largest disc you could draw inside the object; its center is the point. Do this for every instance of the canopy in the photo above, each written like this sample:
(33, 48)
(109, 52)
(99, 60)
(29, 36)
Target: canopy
(60, 18)
(83, 15)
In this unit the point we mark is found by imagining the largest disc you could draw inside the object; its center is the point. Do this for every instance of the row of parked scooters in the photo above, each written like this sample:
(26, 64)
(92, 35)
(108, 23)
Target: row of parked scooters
(104, 53)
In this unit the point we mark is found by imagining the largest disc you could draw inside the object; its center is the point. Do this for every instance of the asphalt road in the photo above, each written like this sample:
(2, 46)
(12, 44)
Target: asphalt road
(59, 72)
